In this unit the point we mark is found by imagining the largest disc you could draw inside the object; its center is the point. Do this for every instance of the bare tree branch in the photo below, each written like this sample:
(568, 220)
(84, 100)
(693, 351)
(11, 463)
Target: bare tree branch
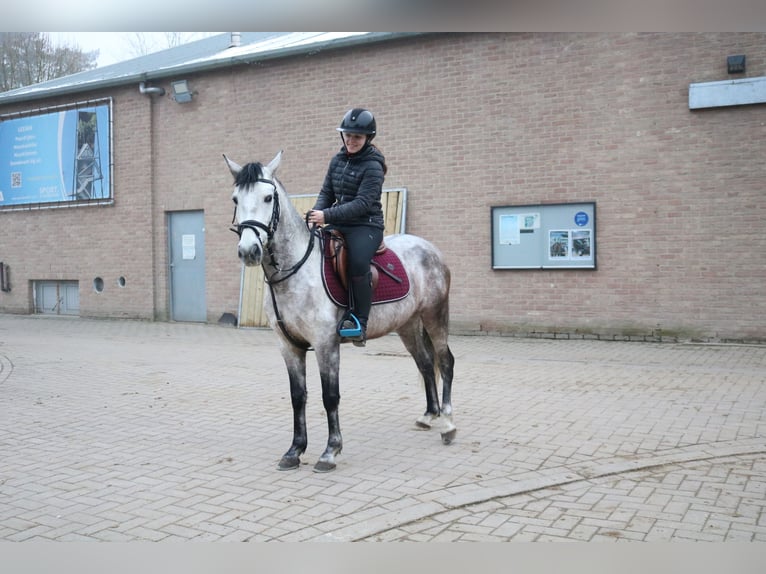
(142, 44)
(29, 58)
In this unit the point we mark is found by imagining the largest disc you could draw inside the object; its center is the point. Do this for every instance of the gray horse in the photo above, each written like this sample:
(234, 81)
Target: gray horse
(274, 235)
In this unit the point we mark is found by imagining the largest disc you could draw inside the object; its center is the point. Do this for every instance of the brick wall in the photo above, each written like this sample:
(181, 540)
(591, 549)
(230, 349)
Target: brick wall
(467, 122)
(85, 243)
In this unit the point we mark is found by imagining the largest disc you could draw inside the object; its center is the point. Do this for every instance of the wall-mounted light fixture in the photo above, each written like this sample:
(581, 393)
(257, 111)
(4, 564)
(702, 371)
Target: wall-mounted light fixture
(735, 64)
(181, 92)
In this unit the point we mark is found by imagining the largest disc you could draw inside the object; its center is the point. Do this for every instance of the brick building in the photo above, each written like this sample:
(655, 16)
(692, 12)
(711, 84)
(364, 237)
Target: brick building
(468, 122)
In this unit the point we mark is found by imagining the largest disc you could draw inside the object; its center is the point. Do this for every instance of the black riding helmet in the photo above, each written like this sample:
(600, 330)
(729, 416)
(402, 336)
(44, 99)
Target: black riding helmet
(358, 121)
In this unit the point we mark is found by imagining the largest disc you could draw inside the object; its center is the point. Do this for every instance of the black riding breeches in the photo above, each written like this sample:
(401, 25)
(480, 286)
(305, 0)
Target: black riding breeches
(361, 243)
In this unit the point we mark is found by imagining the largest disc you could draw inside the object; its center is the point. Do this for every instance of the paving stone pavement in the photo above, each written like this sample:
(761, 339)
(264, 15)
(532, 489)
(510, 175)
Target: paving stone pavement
(120, 430)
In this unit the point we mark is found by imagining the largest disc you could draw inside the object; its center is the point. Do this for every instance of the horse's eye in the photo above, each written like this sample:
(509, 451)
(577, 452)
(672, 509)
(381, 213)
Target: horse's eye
(234, 199)
(268, 198)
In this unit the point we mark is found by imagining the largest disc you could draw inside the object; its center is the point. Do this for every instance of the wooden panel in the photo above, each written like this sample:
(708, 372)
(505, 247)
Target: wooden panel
(254, 287)
(303, 203)
(393, 211)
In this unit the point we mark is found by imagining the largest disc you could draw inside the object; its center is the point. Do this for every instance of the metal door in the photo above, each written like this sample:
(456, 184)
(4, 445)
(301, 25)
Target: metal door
(57, 297)
(186, 232)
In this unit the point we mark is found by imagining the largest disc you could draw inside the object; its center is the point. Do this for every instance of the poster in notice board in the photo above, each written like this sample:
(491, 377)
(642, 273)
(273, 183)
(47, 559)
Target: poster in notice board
(545, 236)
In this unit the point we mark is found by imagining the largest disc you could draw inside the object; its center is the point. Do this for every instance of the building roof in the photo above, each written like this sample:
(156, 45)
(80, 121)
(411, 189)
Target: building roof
(219, 51)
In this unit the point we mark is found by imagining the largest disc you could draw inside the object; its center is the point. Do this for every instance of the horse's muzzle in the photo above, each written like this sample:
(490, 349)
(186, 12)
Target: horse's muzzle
(250, 255)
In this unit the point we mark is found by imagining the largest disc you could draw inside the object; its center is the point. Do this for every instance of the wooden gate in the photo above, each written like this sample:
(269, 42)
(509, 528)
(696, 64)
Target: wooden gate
(252, 285)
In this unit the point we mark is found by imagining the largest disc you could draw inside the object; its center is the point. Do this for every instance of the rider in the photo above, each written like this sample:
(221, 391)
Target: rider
(350, 201)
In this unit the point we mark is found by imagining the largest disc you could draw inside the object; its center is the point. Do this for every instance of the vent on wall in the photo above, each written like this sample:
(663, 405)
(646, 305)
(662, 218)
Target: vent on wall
(5, 277)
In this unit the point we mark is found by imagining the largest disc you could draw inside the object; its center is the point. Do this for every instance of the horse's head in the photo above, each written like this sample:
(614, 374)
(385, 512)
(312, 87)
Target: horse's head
(256, 211)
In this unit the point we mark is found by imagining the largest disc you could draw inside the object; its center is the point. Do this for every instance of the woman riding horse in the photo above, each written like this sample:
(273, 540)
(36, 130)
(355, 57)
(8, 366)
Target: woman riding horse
(350, 201)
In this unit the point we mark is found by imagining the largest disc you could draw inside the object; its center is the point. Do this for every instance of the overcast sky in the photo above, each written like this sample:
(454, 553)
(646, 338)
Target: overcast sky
(116, 47)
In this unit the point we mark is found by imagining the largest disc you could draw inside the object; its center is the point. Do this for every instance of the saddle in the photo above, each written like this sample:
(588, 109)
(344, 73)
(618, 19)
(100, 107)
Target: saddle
(338, 255)
(390, 281)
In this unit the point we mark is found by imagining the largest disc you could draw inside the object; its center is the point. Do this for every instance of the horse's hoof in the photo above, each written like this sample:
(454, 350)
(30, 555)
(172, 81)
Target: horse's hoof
(289, 463)
(324, 466)
(424, 421)
(448, 437)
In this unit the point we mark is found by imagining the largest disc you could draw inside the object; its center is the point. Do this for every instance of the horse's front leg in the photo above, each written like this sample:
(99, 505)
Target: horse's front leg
(329, 372)
(295, 360)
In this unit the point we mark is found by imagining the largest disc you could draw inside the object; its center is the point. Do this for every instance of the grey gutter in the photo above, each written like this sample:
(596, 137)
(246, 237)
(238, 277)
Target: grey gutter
(31, 93)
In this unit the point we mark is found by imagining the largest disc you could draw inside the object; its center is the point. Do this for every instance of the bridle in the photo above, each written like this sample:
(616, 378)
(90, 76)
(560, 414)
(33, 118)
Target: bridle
(270, 230)
(253, 225)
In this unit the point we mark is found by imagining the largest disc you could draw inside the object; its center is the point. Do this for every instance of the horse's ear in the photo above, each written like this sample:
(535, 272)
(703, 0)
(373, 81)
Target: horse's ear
(274, 163)
(234, 167)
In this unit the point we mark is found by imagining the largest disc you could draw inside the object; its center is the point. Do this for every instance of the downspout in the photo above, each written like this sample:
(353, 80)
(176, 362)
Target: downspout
(152, 91)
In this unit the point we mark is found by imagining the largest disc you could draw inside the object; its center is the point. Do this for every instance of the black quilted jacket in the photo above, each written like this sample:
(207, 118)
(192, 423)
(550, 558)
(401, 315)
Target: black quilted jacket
(352, 188)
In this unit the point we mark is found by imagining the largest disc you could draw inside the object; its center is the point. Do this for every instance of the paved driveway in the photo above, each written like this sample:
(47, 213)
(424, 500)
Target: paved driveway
(127, 430)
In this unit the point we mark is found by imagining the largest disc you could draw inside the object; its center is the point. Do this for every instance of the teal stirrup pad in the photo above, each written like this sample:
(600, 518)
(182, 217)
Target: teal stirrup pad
(350, 326)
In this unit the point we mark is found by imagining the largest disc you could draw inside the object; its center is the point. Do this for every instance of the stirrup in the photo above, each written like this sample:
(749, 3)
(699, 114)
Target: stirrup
(350, 327)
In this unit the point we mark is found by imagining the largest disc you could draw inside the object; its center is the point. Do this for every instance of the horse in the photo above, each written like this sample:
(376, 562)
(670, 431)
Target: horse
(274, 235)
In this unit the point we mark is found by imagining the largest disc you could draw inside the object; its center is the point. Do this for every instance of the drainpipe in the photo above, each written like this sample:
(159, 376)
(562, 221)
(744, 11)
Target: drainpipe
(151, 90)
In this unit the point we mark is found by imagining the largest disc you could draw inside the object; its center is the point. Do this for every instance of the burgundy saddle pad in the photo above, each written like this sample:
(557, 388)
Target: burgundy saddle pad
(393, 282)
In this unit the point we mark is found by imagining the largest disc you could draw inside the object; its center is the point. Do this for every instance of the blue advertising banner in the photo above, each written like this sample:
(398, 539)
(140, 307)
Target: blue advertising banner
(54, 157)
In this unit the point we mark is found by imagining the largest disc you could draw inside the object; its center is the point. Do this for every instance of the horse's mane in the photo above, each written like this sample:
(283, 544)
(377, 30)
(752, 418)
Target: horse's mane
(249, 174)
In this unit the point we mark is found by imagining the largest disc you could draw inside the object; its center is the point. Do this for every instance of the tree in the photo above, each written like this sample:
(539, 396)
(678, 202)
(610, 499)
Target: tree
(143, 43)
(28, 58)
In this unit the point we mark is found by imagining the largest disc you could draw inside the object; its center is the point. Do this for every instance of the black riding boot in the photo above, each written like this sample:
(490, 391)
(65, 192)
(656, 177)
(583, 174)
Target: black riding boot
(361, 291)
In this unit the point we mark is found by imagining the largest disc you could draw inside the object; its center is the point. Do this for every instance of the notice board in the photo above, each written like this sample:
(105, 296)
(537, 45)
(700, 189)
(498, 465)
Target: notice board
(545, 236)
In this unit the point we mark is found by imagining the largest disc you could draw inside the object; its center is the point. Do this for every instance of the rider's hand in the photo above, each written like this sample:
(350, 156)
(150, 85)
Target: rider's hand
(316, 216)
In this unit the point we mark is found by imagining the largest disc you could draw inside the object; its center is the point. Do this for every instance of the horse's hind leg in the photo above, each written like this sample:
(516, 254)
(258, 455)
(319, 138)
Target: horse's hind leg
(436, 332)
(446, 361)
(295, 360)
(417, 341)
